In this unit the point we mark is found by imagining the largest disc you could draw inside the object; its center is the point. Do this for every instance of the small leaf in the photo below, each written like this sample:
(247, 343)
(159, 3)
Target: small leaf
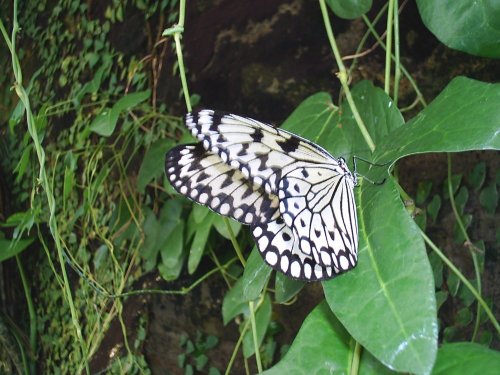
(456, 179)
(433, 207)
(198, 245)
(234, 302)
(461, 199)
(464, 316)
(221, 226)
(129, 101)
(10, 248)
(349, 9)
(105, 122)
(200, 361)
(255, 276)
(286, 288)
(458, 234)
(153, 163)
(199, 213)
(171, 253)
(489, 198)
(437, 268)
(477, 176)
(441, 298)
(423, 190)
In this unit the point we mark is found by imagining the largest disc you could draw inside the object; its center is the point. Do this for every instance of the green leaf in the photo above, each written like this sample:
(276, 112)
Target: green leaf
(105, 122)
(199, 242)
(423, 190)
(391, 290)
(459, 24)
(234, 302)
(466, 358)
(401, 315)
(129, 101)
(489, 198)
(221, 226)
(349, 9)
(456, 180)
(153, 163)
(23, 162)
(477, 176)
(172, 251)
(286, 288)
(322, 346)
(255, 276)
(200, 212)
(10, 248)
(461, 199)
(465, 116)
(433, 207)
(262, 319)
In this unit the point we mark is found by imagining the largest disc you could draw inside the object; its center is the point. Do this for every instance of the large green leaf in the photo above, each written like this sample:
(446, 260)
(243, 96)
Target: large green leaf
(322, 346)
(387, 302)
(466, 358)
(465, 116)
(376, 301)
(468, 26)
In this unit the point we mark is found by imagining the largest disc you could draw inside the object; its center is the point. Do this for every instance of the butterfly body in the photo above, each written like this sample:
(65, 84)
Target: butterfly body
(297, 198)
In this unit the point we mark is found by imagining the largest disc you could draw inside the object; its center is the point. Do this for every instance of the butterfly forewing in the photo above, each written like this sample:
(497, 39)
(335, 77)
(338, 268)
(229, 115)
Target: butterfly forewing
(260, 151)
(203, 177)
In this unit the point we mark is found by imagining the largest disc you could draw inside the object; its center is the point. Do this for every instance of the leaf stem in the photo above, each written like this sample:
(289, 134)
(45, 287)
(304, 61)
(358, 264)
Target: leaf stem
(467, 241)
(254, 334)
(388, 50)
(343, 77)
(462, 278)
(177, 30)
(23, 96)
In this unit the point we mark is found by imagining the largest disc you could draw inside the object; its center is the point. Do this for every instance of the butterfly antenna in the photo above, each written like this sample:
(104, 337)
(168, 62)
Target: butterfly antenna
(354, 158)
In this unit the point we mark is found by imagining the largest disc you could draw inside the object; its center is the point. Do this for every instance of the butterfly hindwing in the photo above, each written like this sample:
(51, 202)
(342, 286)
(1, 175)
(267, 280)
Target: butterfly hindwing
(202, 177)
(317, 203)
(280, 250)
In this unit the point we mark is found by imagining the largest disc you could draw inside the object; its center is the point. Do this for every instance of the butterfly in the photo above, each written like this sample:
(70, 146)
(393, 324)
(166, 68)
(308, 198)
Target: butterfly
(296, 197)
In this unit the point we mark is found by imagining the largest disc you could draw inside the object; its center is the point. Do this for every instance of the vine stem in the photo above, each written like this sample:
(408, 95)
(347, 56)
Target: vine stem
(254, 334)
(23, 96)
(343, 77)
(389, 28)
(468, 241)
(464, 280)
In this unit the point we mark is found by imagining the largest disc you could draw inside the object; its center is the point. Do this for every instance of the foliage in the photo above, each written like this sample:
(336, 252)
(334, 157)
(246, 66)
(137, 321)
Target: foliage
(107, 212)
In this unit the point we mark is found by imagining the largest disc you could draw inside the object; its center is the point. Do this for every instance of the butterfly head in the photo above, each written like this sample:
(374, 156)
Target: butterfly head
(347, 172)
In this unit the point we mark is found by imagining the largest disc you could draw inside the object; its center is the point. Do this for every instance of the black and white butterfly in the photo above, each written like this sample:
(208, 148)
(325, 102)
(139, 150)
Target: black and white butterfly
(297, 198)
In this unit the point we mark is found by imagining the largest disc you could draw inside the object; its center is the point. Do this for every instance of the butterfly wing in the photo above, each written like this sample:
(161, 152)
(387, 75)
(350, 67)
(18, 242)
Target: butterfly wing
(204, 178)
(260, 151)
(280, 250)
(317, 203)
